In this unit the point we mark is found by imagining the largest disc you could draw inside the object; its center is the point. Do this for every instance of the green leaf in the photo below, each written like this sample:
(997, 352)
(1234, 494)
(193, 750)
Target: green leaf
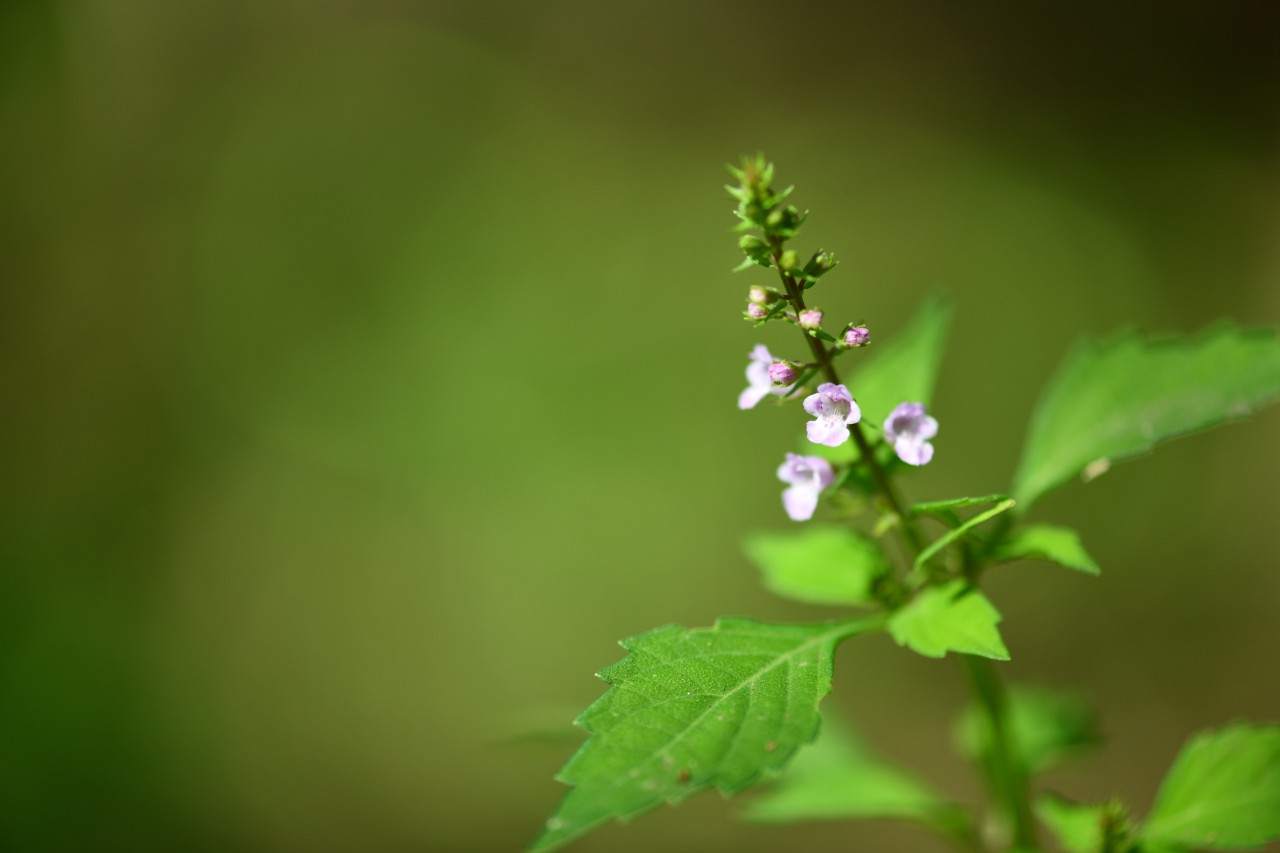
(953, 617)
(689, 709)
(838, 778)
(931, 507)
(1085, 827)
(904, 367)
(1046, 726)
(1059, 545)
(1113, 400)
(1222, 792)
(952, 535)
(819, 564)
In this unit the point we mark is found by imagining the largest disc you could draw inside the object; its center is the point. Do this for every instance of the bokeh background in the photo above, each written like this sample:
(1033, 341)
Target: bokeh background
(367, 369)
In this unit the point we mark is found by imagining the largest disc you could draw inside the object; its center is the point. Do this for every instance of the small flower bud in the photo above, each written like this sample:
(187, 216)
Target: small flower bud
(810, 318)
(755, 311)
(759, 295)
(856, 336)
(750, 243)
(820, 264)
(788, 260)
(782, 373)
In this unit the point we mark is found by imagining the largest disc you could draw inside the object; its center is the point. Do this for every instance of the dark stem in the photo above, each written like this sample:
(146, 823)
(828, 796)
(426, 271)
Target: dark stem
(795, 294)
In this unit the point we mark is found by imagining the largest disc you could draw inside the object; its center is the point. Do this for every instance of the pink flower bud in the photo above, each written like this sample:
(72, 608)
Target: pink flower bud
(782, 373)
(758, 295)
(756, 311)
(810, 318)
(856, 336)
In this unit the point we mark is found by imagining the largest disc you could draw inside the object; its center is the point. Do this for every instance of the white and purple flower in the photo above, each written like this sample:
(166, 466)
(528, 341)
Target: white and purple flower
(833, 409)
(759, 383)
(806, 477)
(908, 428)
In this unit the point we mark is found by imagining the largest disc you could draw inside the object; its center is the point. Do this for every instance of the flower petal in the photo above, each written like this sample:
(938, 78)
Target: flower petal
(800, 502)
(750, 396)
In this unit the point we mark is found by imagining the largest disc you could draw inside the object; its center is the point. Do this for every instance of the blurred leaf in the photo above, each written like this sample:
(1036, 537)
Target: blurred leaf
(904, 367)
(953, 617)
(822, 336)
(952, 535)
(1086, 827)
(1113, 400)
(1046, 726)
(838, 778)
(693, 708)
(819, 564)
(930, 507)
(1059, 545)
(1222, 792)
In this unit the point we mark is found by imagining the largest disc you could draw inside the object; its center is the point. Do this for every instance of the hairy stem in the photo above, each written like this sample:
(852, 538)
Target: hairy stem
(1007, 776)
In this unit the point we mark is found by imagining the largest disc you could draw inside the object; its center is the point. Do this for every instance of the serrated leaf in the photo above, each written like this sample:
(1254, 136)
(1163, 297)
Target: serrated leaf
(953, 617)
(689, 709)
(819, 565)
(903, 367)
(1085, 827)
(838, 778)
(1046, 726)
(1113, 400)
(1059, 545)
(1222, 792)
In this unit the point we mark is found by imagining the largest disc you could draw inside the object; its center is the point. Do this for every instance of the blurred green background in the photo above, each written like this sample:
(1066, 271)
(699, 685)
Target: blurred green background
(367, 369)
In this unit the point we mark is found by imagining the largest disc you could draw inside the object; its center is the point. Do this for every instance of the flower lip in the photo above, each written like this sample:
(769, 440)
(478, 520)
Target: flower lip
(909, 428)
(806, 477)
(833, 409)
(759, 383)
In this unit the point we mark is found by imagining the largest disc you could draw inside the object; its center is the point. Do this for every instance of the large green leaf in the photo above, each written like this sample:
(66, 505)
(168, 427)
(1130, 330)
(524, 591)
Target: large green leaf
(1122, 397)
(1222, 792)
(953, 617)
(904, 367)
(1059, 545)
(1045, 727)
(689, 709)
(819, 564)
(838, 778)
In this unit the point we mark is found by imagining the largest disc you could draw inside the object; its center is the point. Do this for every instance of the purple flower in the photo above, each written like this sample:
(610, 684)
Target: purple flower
(856, 336)
(833, 409)
(759, 383)
(782, 373)
(807, 476)
(810, 318)
(909, 429)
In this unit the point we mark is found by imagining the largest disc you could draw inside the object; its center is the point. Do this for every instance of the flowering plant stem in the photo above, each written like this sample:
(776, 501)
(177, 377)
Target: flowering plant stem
(795, 295)
(1007, 781)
